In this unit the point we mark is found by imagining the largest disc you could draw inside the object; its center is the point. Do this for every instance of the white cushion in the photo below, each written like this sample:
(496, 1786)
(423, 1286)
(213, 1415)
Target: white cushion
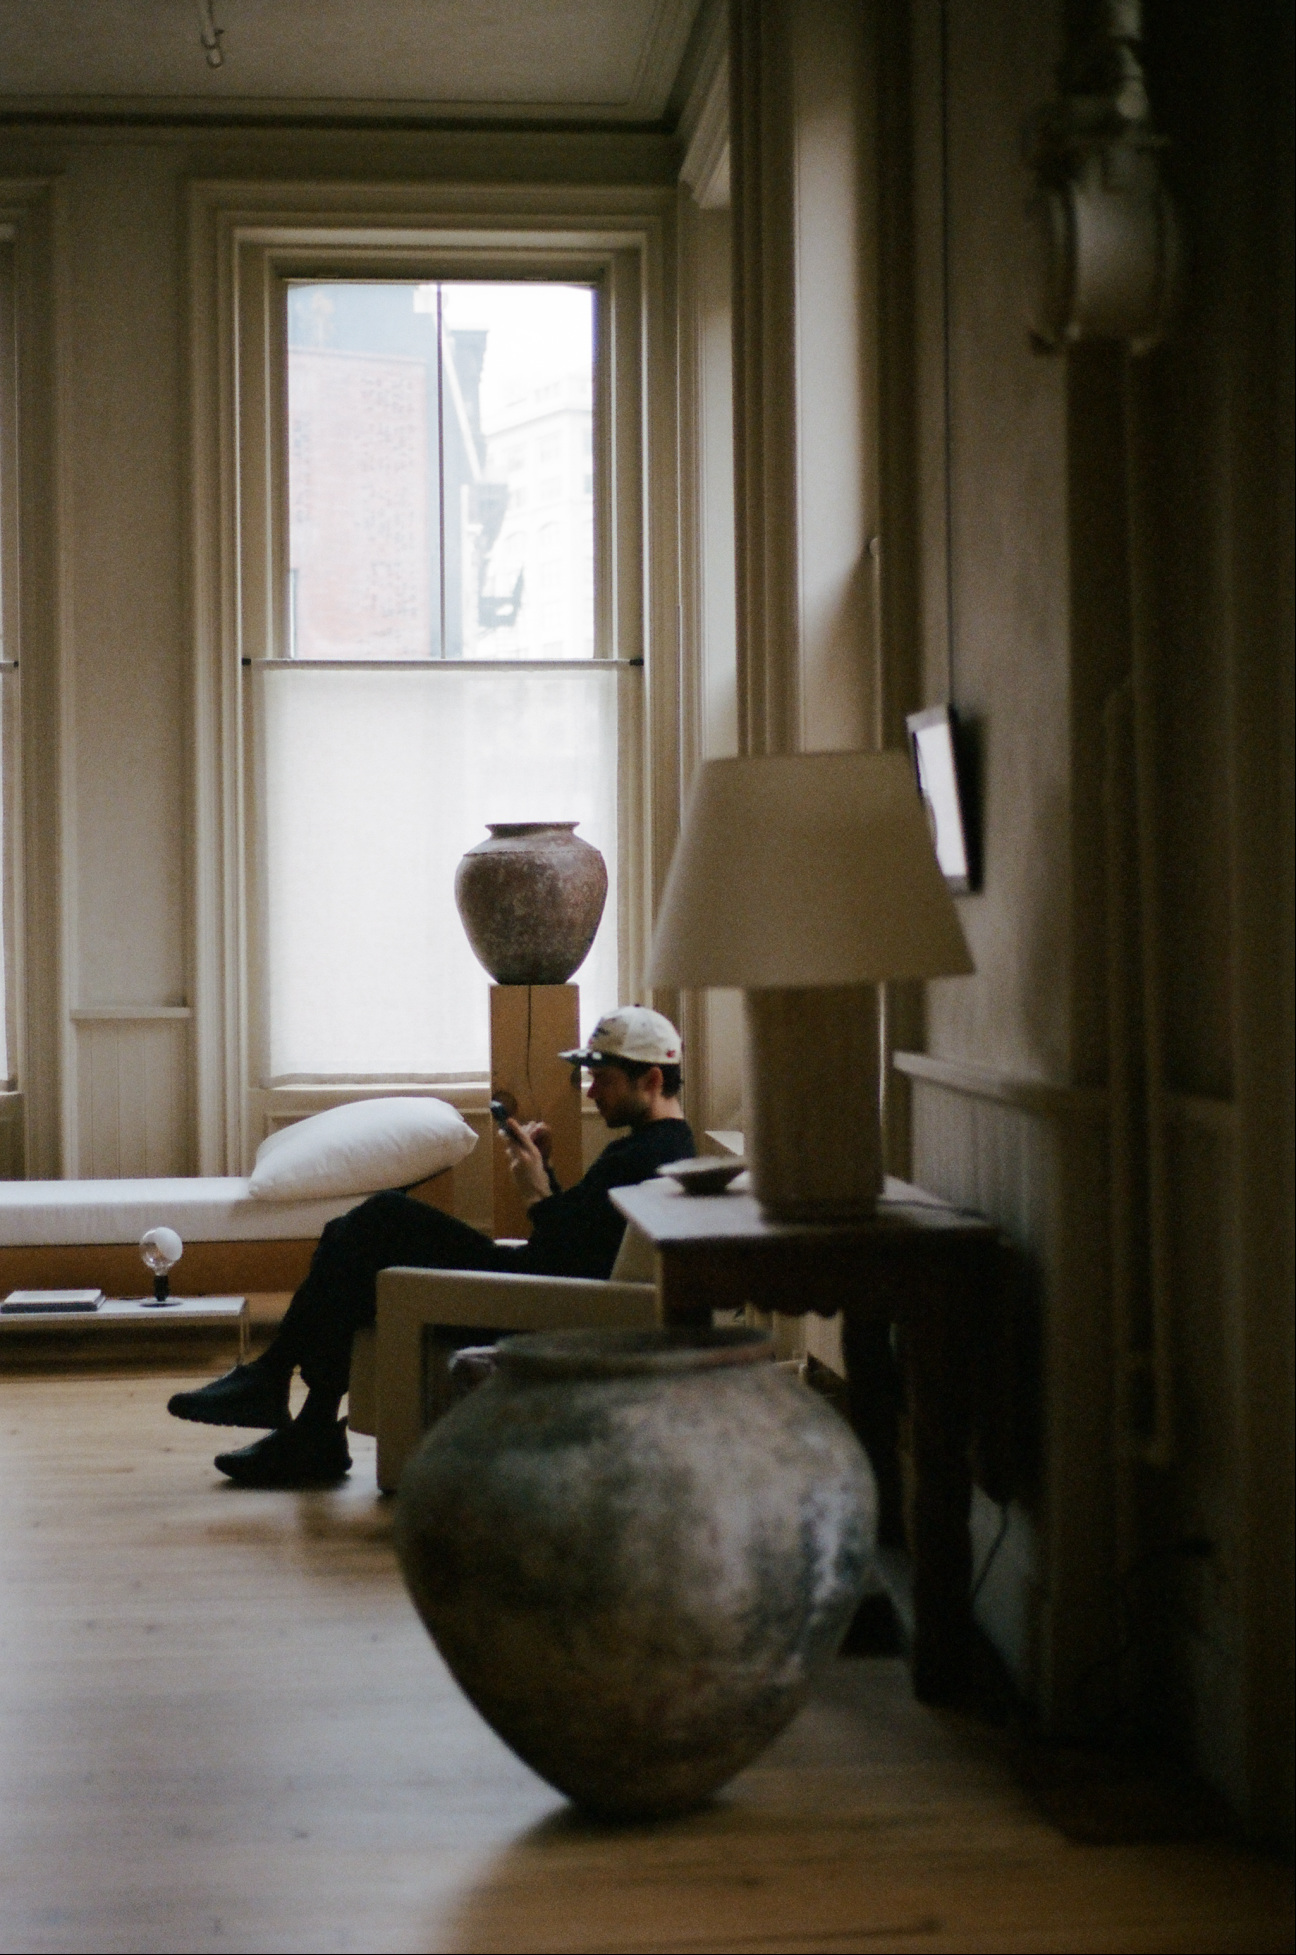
(356, 1149)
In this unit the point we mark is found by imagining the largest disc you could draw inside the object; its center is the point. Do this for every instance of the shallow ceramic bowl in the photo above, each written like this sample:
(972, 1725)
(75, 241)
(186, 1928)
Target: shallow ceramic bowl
(709, 1174)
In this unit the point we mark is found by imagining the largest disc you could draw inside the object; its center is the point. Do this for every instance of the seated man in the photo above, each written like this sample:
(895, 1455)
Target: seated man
(634, 1062)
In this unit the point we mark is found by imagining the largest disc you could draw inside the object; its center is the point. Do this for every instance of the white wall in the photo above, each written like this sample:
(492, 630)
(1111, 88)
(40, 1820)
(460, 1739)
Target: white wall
(109, 781)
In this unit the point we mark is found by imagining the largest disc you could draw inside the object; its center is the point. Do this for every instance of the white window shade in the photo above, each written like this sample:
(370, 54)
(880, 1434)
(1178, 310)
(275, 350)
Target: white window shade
(374, 785)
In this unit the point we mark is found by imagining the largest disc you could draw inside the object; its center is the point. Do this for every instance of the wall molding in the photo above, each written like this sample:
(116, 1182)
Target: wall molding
(11, 1136)
(1199, 1111)
(133, 1093)
(704, 125)
(803, 187)
(123, 1014)
(38, 604)
(977, 1082)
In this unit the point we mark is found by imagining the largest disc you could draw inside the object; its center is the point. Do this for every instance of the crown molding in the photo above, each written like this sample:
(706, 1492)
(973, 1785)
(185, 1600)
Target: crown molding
(641, 111)
(704, 124)
(659, 64)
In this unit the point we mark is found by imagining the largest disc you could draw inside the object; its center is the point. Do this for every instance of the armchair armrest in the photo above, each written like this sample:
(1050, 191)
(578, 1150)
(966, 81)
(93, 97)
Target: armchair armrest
(410, 1301)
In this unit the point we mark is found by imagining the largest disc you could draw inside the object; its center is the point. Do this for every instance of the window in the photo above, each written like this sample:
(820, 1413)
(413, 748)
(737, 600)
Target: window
(335, 794)
(435, 671)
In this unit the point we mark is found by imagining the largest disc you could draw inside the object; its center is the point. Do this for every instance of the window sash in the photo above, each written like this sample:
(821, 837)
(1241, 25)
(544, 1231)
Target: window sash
(373, 781)
(426, 440)
(618, 530)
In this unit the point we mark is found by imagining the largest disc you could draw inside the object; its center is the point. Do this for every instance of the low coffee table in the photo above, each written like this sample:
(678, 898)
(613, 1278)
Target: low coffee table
(121, 1323)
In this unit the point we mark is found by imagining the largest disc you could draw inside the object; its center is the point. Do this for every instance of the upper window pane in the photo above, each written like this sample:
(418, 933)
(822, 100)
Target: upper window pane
(440, 483)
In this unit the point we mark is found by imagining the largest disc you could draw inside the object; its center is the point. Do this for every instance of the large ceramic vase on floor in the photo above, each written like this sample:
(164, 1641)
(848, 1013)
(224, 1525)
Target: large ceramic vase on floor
(531, 897)
(634, 1553)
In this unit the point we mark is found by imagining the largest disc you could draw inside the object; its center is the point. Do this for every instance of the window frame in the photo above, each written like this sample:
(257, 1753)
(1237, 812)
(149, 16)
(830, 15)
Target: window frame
(11, 878)
(241, 262)
(37, 1125)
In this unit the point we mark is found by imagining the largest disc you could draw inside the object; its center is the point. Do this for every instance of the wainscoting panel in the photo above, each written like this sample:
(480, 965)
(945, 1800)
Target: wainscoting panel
(1198, 1685)
(11, 1137)
(1034, 1162)
(133, 1115)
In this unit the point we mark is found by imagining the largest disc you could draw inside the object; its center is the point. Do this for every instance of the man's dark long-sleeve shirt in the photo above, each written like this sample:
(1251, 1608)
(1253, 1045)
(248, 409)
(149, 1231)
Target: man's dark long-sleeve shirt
(577, 1232)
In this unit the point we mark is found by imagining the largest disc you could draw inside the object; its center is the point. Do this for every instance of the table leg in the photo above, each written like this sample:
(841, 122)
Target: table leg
(678, 1288)
(873, 1383)
(938, 1368)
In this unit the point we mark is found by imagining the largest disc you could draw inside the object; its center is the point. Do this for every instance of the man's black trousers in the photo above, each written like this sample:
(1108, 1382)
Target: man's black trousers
(337, 1298)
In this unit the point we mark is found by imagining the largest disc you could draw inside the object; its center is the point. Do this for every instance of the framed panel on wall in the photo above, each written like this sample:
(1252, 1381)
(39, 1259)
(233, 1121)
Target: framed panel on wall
(944, 786)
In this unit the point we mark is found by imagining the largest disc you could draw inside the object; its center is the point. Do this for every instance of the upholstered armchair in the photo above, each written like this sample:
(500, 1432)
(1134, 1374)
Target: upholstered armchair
(400, 1368)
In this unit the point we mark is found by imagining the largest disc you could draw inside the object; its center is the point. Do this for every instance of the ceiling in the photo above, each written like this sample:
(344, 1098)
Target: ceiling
(578, 60)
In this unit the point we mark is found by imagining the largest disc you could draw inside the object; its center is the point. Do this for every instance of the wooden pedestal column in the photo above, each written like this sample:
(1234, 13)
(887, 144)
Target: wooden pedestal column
(530, 1025)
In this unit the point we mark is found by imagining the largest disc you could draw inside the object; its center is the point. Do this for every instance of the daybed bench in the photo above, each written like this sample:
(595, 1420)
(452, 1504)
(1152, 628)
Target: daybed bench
(65, 1234)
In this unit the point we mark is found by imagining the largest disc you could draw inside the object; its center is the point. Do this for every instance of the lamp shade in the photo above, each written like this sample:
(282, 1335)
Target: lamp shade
(795, 870)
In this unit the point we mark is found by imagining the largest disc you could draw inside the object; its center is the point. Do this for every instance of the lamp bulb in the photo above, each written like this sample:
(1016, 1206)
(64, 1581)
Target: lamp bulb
(161, 1249)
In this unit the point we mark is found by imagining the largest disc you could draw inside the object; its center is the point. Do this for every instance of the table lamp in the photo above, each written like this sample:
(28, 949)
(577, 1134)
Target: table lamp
(805, 880)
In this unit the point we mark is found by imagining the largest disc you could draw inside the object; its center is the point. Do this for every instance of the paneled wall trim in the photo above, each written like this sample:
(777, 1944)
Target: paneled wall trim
(133, 1092)
(1038, 1096)
(1005, 1089)
(122, 1014)
(11, 1136)
(803, 185)
(33, 309)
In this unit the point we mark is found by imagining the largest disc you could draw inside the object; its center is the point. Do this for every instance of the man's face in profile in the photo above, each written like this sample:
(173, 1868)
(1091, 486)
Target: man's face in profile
(621, 1100)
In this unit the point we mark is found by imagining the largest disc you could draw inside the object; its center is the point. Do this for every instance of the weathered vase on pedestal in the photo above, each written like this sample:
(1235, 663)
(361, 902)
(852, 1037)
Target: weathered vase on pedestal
(531, 897)
(634, 1553)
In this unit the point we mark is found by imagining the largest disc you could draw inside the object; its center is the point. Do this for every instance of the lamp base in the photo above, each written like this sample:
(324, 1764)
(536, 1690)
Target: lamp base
(812, 1093)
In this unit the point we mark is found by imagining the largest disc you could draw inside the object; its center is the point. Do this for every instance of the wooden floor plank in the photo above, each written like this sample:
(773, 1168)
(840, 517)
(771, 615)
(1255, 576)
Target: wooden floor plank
(221, 1727)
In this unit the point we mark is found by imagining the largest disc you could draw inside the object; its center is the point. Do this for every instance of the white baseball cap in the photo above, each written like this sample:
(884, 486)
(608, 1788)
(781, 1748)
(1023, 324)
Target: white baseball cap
(633, 1032)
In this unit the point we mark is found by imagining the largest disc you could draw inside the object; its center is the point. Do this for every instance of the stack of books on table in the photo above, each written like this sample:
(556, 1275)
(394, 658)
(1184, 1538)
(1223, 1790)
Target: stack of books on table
(45, 1303)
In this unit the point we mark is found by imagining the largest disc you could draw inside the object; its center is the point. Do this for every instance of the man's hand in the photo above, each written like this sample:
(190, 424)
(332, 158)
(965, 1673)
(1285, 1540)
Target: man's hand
(528, 1148)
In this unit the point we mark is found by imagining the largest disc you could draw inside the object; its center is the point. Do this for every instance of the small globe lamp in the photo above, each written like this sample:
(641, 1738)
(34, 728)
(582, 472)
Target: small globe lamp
(161, 1250)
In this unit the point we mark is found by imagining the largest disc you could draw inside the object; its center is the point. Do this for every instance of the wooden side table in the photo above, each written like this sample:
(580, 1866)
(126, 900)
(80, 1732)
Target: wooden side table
(918, 1263)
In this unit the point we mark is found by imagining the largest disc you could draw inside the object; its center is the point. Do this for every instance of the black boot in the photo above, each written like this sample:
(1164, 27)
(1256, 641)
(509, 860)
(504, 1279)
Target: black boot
(294, 1456)
(247, 1396)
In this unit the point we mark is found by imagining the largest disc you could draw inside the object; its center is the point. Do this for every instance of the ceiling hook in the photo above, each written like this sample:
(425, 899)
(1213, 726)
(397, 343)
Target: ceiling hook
(210, 35)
